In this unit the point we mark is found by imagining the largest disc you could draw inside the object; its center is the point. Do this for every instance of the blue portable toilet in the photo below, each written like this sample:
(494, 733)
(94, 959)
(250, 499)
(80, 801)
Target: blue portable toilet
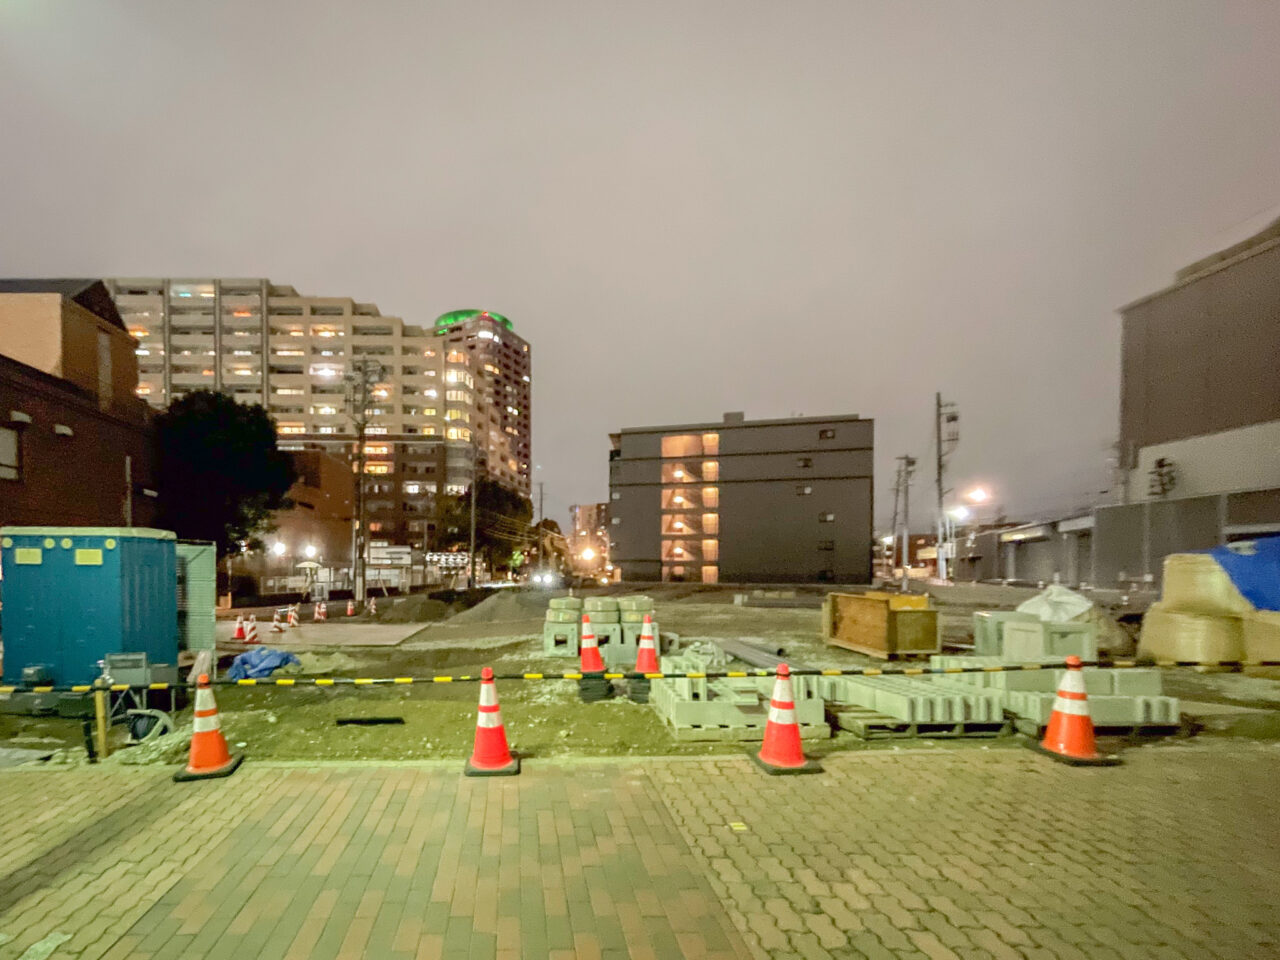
(72, 595)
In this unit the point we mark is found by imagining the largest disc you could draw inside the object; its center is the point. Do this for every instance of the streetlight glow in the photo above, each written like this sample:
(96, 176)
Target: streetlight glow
(310, 551)
(977, 495)
(959, 512)
(588, 554)
(278, 548)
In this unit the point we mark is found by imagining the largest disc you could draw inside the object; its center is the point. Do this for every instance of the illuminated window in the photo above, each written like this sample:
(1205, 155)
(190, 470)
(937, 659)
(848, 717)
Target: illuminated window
(826, 434)
(376, 448)
(372, 429)
(139, 332)
(826, 518)
(711, 444)
(458, 433)
(457, 396)
(379, 468)
(325, 332)
(290, 428)
(375, 526)
(452, 414)
(710, 549)
(684, 445)
(142, 390)
(803, 490)
(711, 497)
(711, 470)
(455, 356)
(711, 574)
(711, 523)
(290, 391)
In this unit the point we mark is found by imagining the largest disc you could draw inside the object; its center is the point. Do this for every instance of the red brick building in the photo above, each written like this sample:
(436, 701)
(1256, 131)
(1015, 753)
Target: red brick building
(75, 441)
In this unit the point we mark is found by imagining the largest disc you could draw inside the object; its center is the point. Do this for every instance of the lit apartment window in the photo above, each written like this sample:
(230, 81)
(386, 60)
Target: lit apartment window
(373, 430)
(711, 444)
(803, 490)
(458, 433)
(827, 434)
(376, 448)
(139, 333)
(711, 497)
(711, 470)
(456, 356)
(710, 549)
(711, 574)
(682, 445)
(826, 518)
(378, 468)
(290, 391)
(142, 390)
(711, 523)
(452, 414)
(457, 396)
(290, 428)
(325, 370)
(375, 526)
(325, 332)
(615, 495)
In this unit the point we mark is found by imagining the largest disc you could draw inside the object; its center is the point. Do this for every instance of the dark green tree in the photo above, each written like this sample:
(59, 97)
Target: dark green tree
(502, 523)
(219, 471)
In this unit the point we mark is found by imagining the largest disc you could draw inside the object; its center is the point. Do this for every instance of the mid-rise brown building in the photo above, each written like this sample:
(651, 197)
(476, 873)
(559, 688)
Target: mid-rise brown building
(75, 441)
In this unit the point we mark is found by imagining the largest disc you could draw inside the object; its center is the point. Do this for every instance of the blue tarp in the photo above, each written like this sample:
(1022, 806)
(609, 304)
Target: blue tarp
(1254, 567)
(256, 664)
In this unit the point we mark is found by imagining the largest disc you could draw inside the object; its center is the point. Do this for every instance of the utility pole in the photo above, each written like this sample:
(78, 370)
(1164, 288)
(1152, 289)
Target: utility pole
(365, 374)
(906, 467)
(943, 413)
(890, 549)
(542, 556)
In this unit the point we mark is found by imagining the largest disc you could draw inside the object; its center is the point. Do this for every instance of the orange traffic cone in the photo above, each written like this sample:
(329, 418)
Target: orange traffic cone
(239, 634)
(209, 754)
(324, 610)
(647, 655)
(781, 751)
(588, 650)
(276, 625)
(491, 756)
(1069, 736)
(293, 616)
(373, 606)
(351, 608)
(315, 612)
(251, 630)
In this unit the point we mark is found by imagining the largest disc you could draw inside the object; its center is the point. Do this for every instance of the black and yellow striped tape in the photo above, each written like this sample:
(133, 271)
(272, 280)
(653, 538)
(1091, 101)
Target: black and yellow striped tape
(888, 670)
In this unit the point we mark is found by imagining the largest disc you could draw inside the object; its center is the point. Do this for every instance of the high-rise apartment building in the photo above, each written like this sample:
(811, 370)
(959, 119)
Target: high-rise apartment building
(743, 501)
(454, 395)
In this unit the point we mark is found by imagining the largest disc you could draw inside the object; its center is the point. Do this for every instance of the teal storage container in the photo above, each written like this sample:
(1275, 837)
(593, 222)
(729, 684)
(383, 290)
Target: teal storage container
(72, 595)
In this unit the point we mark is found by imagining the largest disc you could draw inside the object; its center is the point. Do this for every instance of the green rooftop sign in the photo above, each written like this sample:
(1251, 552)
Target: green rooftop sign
(446, 320)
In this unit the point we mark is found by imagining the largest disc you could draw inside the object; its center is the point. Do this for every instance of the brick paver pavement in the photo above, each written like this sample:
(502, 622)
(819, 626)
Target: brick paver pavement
(936, 854)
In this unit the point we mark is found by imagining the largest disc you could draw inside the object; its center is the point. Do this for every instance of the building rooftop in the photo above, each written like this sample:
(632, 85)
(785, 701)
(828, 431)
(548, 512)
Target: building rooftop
(88, 293)
(446, 320)
(737, 419)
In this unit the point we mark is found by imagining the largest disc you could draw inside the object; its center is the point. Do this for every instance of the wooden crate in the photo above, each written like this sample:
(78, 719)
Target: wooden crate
(881, 625)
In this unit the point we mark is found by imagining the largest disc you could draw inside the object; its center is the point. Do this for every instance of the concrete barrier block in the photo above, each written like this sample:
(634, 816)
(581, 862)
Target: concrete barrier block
(560, 639)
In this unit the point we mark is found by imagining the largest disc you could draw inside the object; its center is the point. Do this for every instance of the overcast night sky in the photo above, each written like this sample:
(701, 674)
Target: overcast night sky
(686, 207)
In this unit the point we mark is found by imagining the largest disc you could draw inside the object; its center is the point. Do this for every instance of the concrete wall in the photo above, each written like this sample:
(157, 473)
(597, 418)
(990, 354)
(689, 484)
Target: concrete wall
(1245, 458)
(1201, 357)
(31, 330)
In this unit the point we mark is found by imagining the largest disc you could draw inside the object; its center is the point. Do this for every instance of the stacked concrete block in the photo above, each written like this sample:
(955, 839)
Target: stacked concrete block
(729, 708)
(919, 700)
(631, 613)
(1032, 640)
(988, 629)
(562, 630)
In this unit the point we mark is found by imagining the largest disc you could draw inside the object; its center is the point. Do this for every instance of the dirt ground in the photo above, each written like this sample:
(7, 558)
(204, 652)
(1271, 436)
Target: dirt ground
(543, 718)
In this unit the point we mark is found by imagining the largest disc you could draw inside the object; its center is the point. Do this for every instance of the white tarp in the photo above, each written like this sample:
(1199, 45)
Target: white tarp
(1056, 604)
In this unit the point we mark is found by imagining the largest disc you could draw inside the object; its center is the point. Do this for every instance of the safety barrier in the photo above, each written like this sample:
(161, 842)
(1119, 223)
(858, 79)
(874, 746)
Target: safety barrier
(885, 671)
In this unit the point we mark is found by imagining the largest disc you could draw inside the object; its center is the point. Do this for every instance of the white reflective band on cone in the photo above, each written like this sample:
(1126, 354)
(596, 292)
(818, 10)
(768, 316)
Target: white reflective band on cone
(1072, 682)
(781, 716)
(488, 695)
(206, 724)
(782, 690)
(204, 699)
(1076, 708)
(489, 719)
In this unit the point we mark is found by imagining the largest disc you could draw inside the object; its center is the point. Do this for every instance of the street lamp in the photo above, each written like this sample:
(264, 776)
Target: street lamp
(961, 513)
(977, 495)
(588, 554)
(278, 548)
(310, 551)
